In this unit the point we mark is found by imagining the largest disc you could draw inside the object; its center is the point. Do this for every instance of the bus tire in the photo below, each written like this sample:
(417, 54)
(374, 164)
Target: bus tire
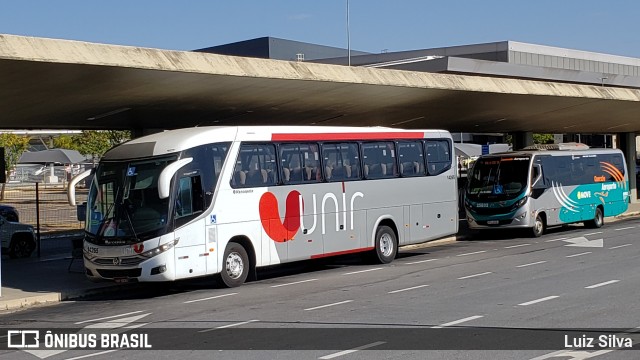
(538, 226)
(598, 220)
(235, 265)
(385, 245)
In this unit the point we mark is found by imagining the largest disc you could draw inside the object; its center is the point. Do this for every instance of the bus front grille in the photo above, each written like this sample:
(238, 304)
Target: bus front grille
(129, 261)
(114, 274)
(491, 211)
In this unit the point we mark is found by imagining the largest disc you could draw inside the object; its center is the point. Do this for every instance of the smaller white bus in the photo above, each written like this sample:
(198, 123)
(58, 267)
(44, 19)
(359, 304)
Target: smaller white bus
(539, 188)
(226, 200)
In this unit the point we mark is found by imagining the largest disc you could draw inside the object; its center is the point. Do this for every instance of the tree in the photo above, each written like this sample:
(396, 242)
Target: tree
(543, 138)
(537, 139)
(65, 142)
(92, 142)
(14, 145)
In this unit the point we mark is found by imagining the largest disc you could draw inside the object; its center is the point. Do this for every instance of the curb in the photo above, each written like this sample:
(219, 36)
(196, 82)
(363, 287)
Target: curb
(626, 215)
(20, 303)
(56, 297)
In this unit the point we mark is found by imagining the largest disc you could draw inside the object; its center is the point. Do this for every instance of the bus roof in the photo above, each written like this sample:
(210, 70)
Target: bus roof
(553, 152)
(172, 141)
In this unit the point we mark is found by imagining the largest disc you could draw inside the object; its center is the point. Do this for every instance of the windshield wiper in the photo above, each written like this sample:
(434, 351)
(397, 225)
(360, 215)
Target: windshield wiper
(133, 231)
(107, 217)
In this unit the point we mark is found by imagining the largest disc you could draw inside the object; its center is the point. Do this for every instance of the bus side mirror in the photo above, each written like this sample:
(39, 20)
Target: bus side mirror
(537, 185)
(537, 180)
(71, 189)
(164, 180)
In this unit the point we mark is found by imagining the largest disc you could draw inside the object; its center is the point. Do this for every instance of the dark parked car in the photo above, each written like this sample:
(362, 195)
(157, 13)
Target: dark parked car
(10, 213)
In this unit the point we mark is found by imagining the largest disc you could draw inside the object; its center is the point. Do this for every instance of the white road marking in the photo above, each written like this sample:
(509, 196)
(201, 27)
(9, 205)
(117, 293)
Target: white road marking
(407, 289)
(294, 283)
(593, 233)
(602, 284)
(530, 264)
(108, 317)
(582, 241)
(475, 275)
(324, 306)
(350, 351)
(420, 262)
(564, 238)
(574, 255)
(94, 354)
(457, 322)
(619, 246)
(625, 228)
(135, 326)
(43, 354)
(516, 246)
(571, 354)
(362, 271)
(473, 253)
(538, 300)
(228, 326)
(117, 323)
(209, 298)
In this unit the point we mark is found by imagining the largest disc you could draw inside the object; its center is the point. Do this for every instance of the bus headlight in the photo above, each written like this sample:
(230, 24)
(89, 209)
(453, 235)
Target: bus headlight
(519, 203)
(160, 249)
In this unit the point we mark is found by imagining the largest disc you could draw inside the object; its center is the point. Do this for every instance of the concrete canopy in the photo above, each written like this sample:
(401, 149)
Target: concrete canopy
(60, 84)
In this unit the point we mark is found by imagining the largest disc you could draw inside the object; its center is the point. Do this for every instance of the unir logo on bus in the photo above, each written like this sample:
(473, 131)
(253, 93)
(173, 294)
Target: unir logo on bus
(281, 231)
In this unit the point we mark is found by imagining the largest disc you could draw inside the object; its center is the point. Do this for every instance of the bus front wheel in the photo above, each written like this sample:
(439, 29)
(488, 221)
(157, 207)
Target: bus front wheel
(538, 226)
(235, 266)
(386, 245)
(598, 220)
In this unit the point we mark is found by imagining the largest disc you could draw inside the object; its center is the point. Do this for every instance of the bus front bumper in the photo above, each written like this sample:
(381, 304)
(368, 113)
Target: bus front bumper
(156, 269)
(520, 218)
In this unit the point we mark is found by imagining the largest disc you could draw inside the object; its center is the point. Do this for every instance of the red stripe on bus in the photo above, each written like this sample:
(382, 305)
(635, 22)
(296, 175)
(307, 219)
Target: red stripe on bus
(345, 252)
(347, 136)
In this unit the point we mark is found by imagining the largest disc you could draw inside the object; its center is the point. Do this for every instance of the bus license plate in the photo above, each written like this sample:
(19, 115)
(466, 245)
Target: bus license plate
(493, 222)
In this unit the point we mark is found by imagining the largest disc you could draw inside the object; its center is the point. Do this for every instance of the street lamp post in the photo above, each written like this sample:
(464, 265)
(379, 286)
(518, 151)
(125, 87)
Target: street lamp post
(348, 36)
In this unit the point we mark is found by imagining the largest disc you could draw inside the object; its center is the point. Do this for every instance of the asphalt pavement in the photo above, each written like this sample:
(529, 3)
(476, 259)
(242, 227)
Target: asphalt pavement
(55, 276)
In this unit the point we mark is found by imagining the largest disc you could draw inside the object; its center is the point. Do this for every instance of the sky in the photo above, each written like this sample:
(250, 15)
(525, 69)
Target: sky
(610, 27)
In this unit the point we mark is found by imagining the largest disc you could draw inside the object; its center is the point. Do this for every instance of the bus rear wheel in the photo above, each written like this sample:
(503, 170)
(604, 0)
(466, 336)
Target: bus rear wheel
(235, 266)
(386, 245)
(598, 220)
(538, 227)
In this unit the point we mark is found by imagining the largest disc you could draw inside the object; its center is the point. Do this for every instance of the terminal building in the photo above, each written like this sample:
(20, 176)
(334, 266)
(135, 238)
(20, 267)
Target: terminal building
(503, 59)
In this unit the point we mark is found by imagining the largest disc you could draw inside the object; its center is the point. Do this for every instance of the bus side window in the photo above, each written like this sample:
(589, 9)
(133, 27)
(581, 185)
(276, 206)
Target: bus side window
(189, 200)
(438, 156)
(341, 161)
(256, 166)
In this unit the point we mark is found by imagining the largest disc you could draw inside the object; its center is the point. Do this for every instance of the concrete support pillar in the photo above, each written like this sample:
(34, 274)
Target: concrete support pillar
(522, 139)
(627, 143)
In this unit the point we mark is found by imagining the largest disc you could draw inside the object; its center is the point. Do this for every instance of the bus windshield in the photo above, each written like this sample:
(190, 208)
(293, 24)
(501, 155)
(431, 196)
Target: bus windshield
(123, 206)
(496, 178)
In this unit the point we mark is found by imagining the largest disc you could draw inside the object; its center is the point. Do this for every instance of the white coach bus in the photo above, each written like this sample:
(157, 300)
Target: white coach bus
(226, 200)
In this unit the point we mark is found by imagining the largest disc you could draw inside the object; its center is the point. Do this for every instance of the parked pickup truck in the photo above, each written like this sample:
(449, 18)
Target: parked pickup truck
(18, 239)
